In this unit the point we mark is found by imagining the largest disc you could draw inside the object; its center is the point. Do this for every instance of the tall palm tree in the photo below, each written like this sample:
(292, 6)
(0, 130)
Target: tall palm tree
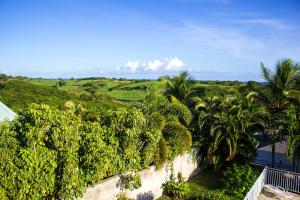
(293, 128)
(225, 129)
(179, 86)
(281, 88)
(282, 83)
(182, 87)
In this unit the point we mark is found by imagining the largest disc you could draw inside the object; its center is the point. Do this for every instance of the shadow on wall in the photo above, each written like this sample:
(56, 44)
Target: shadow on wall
(145, 196)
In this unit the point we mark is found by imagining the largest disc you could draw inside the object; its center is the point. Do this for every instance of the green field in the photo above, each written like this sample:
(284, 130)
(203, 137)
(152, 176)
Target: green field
(95, 93)
(124, 90)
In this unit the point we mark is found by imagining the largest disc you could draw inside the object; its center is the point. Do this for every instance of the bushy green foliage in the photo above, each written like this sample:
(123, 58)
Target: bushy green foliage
(199, 193)
(179, 109)
(61, 83)
(173, 117)
(51, 153)
(178, 138)
(162, 153)
(123, 196)
(130, 181)
(177, 189)
(190, 191)
(226, 129)
(238, 179)
(97, 146)
(8, 161)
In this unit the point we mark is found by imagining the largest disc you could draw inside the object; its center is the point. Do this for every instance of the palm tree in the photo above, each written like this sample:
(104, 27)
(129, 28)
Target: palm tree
(179, 86)
(281, 89)
(182, 88)
(293, 128)
(225, 129)
(282, 83)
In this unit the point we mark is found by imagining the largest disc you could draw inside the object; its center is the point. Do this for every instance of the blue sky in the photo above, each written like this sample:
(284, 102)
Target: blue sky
(212, 39)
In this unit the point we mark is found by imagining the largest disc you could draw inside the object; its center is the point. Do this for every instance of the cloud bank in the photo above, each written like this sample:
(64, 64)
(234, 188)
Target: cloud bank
(166, 64)
(132, 65)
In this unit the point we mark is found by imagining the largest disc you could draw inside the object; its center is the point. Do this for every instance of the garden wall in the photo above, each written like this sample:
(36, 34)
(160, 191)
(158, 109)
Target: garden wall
(151, 178)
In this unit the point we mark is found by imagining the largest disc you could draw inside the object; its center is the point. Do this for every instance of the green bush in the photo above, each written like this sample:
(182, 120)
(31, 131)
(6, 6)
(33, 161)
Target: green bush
(238, 180)
(197, 192)
(123, 196)
(176, 189)
(130, 181)
(190, 191)
(53, 154)
(162, 153)
(61, 83)
(178, 138)
(165, 197)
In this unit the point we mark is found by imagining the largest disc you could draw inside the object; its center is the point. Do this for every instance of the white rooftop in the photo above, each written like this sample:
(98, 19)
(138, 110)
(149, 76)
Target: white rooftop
(6, 113)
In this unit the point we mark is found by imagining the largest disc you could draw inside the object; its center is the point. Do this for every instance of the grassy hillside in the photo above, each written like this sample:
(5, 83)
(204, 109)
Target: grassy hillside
(125, 90)
(19, 93)
(95, 93)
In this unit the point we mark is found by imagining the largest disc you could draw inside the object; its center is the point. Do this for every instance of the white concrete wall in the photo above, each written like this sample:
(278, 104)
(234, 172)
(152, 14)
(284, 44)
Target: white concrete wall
(151, 178)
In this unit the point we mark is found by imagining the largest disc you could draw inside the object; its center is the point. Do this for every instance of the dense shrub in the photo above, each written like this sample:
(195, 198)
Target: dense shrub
(174, 116)
(138, 87)
(178, 138)
(238, 179)
(197, 192)
(61, 83)
(175, 188)
(69, 154)
(190, 191)
(130, 181)
(162, 153)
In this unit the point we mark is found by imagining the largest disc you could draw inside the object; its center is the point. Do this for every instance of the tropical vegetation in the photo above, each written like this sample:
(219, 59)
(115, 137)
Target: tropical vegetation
(71, 134)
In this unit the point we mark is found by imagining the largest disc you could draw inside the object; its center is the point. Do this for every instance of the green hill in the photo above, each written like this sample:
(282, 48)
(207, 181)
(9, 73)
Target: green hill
(19, 93)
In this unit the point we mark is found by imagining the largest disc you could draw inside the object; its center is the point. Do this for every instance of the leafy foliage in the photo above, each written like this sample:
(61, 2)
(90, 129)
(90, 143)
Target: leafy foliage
(226, 128)
(281, 92)
(238, 179)
(69, 154)
(85, 135)
(200, 193)
(130, 181)
(178, 138)
(190, 191)
(175, 189)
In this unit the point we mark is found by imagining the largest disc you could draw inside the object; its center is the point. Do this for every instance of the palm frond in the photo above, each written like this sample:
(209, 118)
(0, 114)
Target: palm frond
(267, 74)
(293, 94)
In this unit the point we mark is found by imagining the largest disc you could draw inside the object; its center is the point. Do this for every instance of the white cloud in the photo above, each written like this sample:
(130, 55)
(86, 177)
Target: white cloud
(153, 65)
(274, 23)
(232, 41)
(132, 65)
(166, 64)
(173, 64)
